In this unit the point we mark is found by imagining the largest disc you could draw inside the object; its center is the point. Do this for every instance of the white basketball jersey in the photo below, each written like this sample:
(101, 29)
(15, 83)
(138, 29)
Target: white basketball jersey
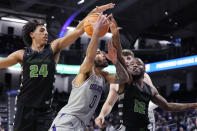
(84, 99)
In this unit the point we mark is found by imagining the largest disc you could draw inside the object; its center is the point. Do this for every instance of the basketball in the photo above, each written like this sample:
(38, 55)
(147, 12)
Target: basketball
(88, 26)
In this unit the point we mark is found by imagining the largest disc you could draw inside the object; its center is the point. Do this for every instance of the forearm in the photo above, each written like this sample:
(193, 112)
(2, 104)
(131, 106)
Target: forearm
(117, 45)
(93, 45)
(121, 74)
(181, 106)
(106, 109)
(68, 39)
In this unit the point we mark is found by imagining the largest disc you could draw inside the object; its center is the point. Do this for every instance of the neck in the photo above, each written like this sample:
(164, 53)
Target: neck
(97, 70)
(37, 47)
(139, 82)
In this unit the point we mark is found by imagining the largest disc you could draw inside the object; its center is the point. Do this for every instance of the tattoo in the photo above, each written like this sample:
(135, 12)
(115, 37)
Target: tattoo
(121, 74)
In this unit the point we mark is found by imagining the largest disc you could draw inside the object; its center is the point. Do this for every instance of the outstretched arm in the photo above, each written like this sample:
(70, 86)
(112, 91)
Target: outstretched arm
(61, 43)
(12, 59)
(108, 105)
(161, 102)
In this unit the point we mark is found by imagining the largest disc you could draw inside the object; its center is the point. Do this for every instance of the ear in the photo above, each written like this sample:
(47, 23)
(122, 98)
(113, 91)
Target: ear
(31, 34)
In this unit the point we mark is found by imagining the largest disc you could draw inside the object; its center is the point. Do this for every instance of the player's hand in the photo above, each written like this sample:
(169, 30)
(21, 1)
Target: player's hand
(112, 53)
(113, 26)
(102, 8)
(101, 22)
(99, 121)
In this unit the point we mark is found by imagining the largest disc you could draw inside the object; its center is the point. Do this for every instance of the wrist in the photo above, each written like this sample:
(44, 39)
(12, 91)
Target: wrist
(102, 115)
(96, 32)
(115, 62)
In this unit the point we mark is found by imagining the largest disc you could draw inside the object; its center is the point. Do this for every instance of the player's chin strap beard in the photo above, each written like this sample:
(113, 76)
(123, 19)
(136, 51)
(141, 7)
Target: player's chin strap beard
(137, 77)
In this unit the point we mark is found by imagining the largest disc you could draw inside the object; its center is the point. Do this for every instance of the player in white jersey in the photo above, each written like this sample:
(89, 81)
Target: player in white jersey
(151, 116)
(87, 85)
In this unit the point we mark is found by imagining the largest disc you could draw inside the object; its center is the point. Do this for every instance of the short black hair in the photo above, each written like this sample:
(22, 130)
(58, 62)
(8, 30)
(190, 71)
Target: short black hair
(141, 62)
(27, 29)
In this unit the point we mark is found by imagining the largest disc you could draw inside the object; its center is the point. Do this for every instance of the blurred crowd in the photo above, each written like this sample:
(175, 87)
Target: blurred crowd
(165, 121)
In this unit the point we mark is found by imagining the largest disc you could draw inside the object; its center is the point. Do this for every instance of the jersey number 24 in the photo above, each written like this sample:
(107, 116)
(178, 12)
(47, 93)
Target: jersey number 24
(35, 71)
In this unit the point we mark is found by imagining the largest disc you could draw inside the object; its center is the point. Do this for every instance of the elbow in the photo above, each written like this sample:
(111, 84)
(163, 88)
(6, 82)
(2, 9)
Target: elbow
(167, 107)
(126, 80)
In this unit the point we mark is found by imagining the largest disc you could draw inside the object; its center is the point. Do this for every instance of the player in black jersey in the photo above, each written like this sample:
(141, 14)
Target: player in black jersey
(38, 62)
(137, 95)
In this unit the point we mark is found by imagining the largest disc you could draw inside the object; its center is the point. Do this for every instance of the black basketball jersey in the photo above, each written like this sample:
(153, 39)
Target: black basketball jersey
(37, 77)
(135, 106)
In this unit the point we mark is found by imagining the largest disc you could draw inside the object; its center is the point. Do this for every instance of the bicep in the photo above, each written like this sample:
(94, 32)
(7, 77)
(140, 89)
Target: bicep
(86, 66)
(61, 43)
(160, 101)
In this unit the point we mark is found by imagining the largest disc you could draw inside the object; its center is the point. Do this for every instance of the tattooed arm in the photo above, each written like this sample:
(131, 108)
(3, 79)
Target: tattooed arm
(121, 75)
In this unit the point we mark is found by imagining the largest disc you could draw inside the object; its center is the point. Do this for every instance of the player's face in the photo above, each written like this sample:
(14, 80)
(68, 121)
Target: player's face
(137, 67)
(100, 60)
(128, 59)
(40, 35)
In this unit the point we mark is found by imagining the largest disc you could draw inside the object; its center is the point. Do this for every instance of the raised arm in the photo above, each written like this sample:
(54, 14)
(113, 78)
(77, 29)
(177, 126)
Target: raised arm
(61, 43)
(121, 75)
(116, 39)
(93, 45)
(12, 59)
(161, 102)
(108, 105)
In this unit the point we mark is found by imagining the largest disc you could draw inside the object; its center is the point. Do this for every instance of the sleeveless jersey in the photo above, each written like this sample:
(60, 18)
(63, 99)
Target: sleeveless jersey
(135, 106)
(37, 77)
(84, 99)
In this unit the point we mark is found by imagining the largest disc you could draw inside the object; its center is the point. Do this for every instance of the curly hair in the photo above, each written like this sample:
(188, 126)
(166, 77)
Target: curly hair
(27, 29)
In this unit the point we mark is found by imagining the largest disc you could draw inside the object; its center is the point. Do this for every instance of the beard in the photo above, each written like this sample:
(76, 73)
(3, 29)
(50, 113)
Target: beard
(100, 64)
(138, 76)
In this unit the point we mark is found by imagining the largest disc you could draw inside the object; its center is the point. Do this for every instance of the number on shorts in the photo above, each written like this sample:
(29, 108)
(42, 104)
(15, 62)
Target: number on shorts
(34, 71)
(93, 101)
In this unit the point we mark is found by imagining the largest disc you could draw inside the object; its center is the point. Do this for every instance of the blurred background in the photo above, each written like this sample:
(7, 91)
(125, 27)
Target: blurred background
(163, 33)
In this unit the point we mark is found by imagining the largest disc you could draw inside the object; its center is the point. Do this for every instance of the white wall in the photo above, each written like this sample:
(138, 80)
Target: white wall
(17, 27)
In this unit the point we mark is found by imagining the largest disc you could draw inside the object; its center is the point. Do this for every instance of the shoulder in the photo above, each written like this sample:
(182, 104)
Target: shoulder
(54, 46)
(105, 74)
(19, 54)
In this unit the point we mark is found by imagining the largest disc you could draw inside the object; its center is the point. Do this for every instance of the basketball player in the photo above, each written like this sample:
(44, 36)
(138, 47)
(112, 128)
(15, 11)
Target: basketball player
(137, 96)
(88, 84)
(151, 116)
(38, 63)
(113, 96)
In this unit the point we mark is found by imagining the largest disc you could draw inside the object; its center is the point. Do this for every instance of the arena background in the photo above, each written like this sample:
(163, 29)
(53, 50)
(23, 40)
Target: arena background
(163, 31)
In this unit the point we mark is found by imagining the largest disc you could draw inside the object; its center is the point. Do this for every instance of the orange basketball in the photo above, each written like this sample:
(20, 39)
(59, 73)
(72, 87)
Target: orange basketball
(88, 26)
